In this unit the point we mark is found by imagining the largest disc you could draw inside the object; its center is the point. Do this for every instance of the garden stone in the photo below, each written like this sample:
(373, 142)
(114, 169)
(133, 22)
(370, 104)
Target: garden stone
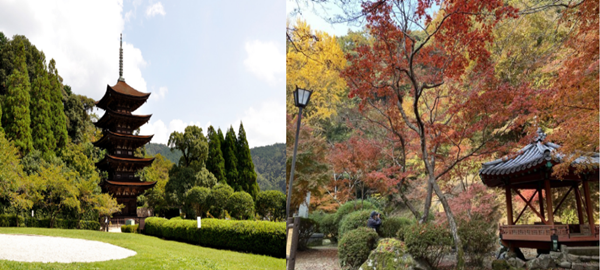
(516, 262)
(542, 262)
(573, 258)
(555, 255)
(500, 265)
(565, 264)
(390, 254)
(584, 266)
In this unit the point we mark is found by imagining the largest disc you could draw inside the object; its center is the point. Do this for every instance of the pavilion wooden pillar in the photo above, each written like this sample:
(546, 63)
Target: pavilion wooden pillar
(588, 206)
(578, 200)
(549, 202)
(509, 208)
(541, 202)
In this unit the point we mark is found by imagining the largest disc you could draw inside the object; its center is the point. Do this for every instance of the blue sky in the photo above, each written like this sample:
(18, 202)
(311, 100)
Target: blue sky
(205, 62)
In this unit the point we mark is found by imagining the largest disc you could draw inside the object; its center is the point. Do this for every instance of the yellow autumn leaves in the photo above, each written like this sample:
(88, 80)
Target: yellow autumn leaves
(314, 61)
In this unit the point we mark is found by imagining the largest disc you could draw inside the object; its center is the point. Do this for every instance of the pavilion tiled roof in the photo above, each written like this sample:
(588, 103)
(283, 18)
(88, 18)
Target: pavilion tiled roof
(530, 156)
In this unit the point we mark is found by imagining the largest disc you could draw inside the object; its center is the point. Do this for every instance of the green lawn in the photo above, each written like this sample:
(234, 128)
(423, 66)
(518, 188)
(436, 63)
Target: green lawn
(152, 253)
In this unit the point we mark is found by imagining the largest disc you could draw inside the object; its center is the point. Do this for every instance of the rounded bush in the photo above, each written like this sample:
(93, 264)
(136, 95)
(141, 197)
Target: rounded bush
(305, 231)
(219, 194)
(354, 220)
(270, 204)
(428, 242)
(129, 228)
(479, 239)
(328, 227)
(240, 206)
(354, 247)
(391, 225)
(350, 207)
(197, 198)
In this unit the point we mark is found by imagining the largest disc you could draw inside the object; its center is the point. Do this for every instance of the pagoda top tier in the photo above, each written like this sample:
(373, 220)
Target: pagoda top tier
(121, 96)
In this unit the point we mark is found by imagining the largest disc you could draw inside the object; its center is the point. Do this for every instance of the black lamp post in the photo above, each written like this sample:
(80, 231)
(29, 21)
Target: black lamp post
(301, 99)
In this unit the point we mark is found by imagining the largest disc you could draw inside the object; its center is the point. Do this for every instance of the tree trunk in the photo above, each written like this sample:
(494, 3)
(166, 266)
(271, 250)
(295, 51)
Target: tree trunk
(460, 261)
(409, 205)
(427, 204)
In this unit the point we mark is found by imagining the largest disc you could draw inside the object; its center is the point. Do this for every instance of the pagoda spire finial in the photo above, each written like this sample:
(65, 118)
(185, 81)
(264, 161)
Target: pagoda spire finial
(121, 79)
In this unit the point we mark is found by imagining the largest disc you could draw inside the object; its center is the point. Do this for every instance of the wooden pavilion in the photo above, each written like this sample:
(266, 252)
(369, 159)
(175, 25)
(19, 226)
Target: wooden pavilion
(531, 169)
(118, 124)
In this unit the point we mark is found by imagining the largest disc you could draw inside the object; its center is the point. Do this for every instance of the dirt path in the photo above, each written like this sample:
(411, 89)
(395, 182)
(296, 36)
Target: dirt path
(318, 258)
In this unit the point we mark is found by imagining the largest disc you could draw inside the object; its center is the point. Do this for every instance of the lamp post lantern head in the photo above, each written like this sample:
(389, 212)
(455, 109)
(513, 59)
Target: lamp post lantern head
(301, 97)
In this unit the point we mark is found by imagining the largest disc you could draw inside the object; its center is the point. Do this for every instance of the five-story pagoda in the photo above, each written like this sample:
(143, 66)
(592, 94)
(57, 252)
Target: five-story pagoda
(118, 124)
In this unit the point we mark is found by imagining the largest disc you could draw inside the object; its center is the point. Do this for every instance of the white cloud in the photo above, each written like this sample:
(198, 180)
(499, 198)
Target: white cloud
(162, 132)
(266, 60)
(160, 94)
(264, 125)
(156, 9)
(83, 38)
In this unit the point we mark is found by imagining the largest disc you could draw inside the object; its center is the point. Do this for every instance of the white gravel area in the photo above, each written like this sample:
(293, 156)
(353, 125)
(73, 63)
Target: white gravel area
(36, 248)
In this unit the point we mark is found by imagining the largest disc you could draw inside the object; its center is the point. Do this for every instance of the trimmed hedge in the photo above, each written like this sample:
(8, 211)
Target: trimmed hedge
(130, 228)
(8, 220)
(305, 231)
(259, 237)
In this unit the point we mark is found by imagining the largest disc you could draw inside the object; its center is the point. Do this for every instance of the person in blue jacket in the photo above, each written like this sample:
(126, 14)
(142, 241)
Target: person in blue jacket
(374, 221)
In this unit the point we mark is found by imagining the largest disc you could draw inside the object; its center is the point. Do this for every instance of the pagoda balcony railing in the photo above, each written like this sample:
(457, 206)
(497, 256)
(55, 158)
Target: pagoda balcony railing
(125, 178)
(565, 232)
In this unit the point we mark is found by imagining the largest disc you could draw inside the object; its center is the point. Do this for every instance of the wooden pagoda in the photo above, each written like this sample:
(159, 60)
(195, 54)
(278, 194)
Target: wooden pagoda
(118, 124)
(531, 169)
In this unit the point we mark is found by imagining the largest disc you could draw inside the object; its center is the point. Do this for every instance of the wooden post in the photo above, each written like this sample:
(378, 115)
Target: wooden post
(549, 201)
(578, 199)
(541, 201)
(509, 208)
(588, 206)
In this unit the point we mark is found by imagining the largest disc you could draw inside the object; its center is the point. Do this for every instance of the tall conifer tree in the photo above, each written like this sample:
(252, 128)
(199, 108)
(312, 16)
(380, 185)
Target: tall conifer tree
(40, 107)
(59, 120)
(215, 163)
(246, 173)
(16, 115)
(229, 155)
(222, 141)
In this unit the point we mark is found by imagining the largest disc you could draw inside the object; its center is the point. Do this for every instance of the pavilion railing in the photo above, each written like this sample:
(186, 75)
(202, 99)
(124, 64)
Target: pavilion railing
(543, 232)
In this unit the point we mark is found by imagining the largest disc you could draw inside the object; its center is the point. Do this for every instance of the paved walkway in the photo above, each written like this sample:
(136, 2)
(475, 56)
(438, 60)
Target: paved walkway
(36, 248)
(318, 258)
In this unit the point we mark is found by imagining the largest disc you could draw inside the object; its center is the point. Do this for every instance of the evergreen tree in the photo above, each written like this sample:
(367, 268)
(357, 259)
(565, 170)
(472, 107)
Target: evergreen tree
(229, 154)
(246, 173)
(222, 141)
(215, 163)
(59, 121)
(41, 118)
(15, 118)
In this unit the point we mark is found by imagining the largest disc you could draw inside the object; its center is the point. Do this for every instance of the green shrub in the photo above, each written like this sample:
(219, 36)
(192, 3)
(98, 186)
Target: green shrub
(354, 247)
(219, 195)
(350, 207)
(65, 223)
(270, 204)
(353, 220)
(478, 237)
(240, 206)
(129, 228)
(328, 227)
(317, 216)
(89, 225)
(427, 242)
(197, 198)
(259, 237)
(391, 225)
(306, 229)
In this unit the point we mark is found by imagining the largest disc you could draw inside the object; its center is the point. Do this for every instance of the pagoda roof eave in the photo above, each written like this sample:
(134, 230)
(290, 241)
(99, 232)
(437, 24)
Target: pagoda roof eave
(123, 90)
(109, 134)
(103, 121)
(132, 184)
(115, 159)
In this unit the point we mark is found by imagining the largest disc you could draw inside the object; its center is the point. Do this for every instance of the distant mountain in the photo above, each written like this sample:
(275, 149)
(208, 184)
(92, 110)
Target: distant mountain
(158, 148)
(269, 163)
